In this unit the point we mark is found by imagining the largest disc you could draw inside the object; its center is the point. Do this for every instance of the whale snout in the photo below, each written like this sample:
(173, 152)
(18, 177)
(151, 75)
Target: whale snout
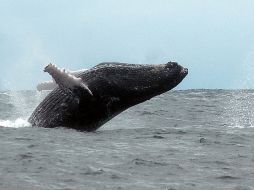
(184, 72)
(173, 66)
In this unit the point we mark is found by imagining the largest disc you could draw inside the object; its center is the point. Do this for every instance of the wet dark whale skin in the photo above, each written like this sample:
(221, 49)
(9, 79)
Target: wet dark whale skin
(115, 88)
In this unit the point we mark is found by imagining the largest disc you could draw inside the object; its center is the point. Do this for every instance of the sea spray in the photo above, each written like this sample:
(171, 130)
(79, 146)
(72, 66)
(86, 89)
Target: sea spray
(238, 111)
(239, 108)
(20, 122)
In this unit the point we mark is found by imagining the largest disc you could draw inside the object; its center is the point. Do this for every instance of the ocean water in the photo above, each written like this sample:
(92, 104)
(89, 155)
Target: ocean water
(193, 139)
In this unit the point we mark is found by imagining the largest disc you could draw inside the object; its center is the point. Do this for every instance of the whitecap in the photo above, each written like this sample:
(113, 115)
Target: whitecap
(20, 122)
(241, 126)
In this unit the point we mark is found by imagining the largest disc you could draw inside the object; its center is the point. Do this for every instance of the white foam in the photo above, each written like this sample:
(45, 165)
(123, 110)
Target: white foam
(15, 124)
(4, 93)
(241, 126)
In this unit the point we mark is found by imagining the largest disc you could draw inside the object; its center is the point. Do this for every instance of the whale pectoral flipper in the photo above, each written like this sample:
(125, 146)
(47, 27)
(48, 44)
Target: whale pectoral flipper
(65, 80)
(51, 85)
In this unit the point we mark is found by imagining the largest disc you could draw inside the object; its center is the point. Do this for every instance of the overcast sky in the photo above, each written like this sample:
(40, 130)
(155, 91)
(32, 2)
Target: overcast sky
(214, 39)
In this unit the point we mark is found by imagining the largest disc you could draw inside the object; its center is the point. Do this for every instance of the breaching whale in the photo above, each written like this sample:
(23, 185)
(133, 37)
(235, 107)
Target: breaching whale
(86, 99)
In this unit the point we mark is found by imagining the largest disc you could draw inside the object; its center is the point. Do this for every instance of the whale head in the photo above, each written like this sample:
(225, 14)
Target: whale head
(172, 74)
(118, 86)
(134, 83)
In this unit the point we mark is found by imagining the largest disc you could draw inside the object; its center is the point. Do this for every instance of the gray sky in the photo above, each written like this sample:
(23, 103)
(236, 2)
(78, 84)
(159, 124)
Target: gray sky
(214, 39)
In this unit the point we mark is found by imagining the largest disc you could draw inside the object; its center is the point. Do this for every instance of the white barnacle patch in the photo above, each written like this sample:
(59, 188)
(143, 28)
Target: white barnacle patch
(64, 79)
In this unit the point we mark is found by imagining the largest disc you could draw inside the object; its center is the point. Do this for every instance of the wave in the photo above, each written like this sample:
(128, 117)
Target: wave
(241, 126)
(18, 123)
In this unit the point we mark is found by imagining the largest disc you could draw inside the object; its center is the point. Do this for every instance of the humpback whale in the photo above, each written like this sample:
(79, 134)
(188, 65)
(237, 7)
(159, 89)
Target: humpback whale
(86, 99)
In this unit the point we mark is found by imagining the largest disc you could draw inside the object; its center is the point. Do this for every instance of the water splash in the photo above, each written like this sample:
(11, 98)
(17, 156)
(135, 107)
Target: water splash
(239, 111)
(18, 123)
(246, 71)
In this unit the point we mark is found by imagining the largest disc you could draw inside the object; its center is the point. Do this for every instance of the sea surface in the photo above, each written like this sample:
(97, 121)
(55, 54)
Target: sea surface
(192, 139)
